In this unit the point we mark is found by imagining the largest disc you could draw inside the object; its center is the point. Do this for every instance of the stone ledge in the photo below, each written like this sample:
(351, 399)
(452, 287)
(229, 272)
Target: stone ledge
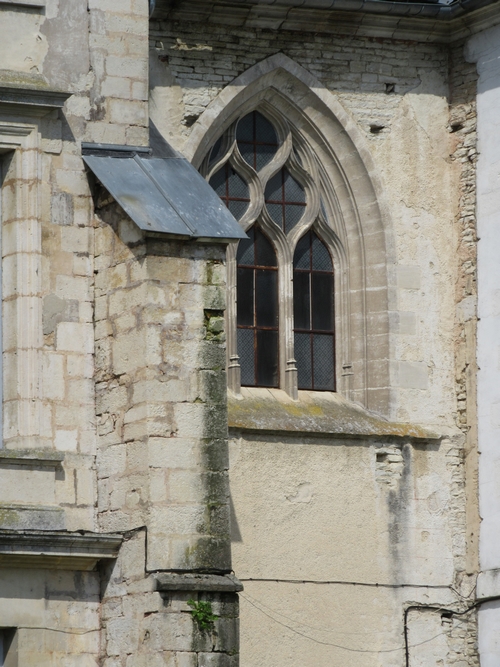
(40, 4)
(29, 98)
(316, 414)
(214, 583)
(40, 457)
(61, 550)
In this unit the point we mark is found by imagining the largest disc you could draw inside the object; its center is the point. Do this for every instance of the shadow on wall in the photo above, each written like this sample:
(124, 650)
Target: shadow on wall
(235, 529)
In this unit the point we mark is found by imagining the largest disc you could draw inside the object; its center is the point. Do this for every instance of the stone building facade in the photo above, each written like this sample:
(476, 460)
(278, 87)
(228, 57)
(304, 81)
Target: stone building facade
(167, 499)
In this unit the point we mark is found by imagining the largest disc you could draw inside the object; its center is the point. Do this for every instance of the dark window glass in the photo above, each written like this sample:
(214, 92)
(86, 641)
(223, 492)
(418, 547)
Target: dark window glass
(267, 358)
(246, 345)
(321, 260)
(313, 302)
(301, 300)
(285, 200)
(246, 249)
(266, 298)
(257, 310)
(257, 140)
(323, 360)
(216, 152)
(232, 189)
(303, 357)
(245, 296)
(264, 251)
(322, 301)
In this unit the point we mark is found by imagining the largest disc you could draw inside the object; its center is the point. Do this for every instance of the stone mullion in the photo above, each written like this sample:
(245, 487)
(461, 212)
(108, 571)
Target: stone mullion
(288, 368)
(233, 360)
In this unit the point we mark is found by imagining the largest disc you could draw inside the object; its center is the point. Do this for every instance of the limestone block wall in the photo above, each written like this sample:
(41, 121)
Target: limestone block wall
(143, 626)
(53, 626)
(97, 53)
(160, 390)
(162, 462)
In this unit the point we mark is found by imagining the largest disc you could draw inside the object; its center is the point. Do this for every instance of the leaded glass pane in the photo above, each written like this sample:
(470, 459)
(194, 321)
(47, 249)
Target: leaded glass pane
(216, 151)
(276, 213)
(246, 249)
(301, 258)
(323, 362)
(301, 300)
(238, 208)
(244, 130)
(322, 301)
(274, 188)
(245, 297)
(247, 153)
(267, 358)
(218, 182)
(257, 140)
(294, 192)
(321, 260)
(236, 186)
(263, 155)
(303, 358)
(264, 131)
(292, 216)
(264, 251)
(266, 298)
(247, 356)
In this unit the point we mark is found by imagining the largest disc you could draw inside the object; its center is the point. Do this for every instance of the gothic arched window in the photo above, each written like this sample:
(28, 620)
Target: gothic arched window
(257, 310)
(281, 315)
(313, 314)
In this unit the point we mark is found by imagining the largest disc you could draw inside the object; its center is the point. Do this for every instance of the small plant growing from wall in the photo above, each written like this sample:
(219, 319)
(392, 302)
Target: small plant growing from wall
(203, 614)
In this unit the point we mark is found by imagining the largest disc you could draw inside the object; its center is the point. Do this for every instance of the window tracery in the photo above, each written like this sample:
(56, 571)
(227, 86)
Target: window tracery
(281, 317)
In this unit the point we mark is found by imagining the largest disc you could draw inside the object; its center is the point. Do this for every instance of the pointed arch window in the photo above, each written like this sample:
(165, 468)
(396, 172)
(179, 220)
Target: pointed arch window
(281, 314)
(257, 310)
(313, 310)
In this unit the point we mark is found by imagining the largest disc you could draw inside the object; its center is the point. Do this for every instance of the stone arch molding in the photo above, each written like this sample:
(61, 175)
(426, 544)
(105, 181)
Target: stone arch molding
(359, 234)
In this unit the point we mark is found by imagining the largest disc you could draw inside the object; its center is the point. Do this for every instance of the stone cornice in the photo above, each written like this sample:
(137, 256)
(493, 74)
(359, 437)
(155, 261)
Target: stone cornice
(343, 19)
(39, 457)
(56, 549)
(214, 583)
(31, 4)
(30, 101)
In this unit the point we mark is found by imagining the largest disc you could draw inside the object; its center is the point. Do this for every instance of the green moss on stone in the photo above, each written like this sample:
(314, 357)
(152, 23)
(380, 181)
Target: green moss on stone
(314, 413)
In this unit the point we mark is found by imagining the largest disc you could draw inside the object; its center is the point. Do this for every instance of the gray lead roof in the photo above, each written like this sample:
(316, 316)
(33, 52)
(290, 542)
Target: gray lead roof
(162, 194)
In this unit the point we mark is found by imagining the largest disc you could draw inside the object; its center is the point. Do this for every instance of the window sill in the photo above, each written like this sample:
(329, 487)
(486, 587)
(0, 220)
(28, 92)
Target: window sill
(315, 414)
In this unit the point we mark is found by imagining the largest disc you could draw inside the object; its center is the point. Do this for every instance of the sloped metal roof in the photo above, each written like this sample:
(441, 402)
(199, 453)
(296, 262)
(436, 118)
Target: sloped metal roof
(162, 192)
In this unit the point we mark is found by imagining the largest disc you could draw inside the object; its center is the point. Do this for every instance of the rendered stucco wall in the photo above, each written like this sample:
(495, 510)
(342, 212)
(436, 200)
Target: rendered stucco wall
(484, 49)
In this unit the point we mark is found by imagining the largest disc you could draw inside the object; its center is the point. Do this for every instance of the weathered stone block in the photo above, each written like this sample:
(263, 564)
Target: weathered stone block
(122, 636)
(75, 337)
